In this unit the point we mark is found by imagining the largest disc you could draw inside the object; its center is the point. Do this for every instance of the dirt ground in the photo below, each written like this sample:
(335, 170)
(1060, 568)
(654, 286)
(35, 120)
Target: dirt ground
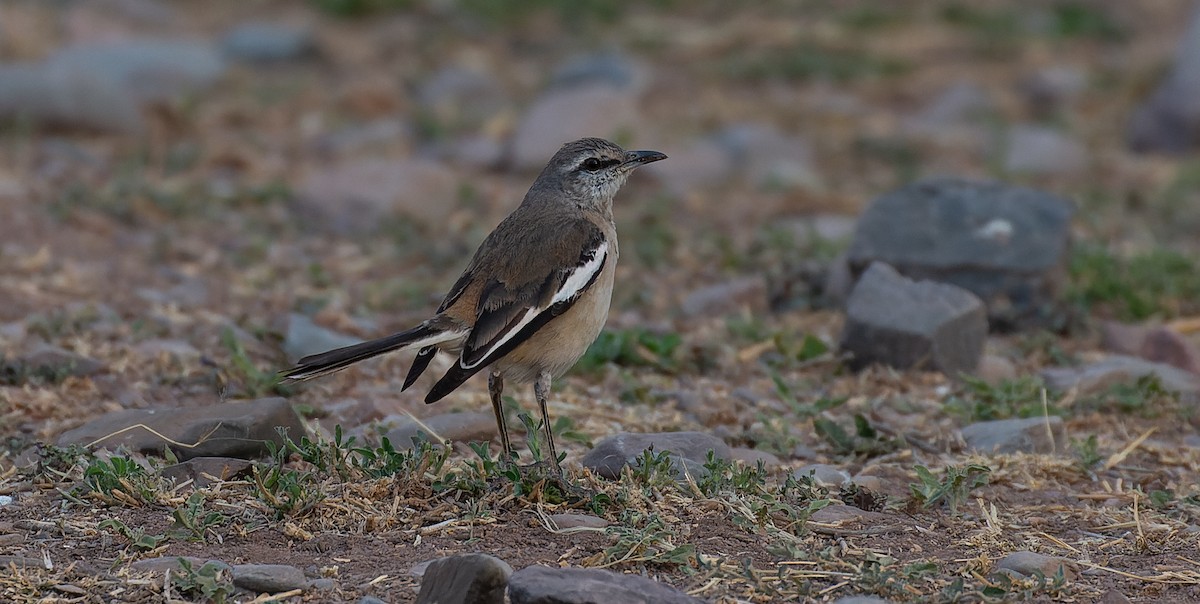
(113, 244)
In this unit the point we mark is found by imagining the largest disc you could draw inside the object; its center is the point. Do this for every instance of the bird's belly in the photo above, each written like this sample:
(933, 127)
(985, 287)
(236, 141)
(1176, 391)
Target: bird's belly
(560, 343)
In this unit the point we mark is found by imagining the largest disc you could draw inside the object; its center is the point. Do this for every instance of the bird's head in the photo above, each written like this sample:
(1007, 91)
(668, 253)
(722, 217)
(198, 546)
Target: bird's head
(592, 170)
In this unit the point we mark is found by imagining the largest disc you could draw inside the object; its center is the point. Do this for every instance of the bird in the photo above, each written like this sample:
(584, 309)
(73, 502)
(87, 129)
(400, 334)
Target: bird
(534, 296)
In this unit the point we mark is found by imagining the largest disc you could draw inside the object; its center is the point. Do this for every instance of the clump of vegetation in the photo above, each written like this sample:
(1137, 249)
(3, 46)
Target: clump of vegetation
(981, 401)
(952, 489)
(635, 347)
(1158, 283)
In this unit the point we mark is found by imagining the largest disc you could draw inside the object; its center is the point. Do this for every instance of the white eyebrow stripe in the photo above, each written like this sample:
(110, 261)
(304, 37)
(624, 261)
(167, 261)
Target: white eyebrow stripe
(573, 286)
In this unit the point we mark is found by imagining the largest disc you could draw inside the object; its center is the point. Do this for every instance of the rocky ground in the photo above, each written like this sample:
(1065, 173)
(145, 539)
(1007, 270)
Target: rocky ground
(910, 314)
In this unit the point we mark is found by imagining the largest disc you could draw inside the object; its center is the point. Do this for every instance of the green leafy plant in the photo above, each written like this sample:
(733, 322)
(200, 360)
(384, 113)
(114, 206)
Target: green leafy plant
(138, 539)
(209, 583)
(865, 440)
(192, 521)
(121, 479)
(1087, 453)
(953, 488)
(634, 347)
(254, 382)
(982, 401)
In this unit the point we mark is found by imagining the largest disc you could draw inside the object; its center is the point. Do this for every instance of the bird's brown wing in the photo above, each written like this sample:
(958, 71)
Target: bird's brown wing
(523, 294)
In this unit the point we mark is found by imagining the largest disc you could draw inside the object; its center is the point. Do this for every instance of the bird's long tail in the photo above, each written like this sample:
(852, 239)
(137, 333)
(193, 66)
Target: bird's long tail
(429, 333)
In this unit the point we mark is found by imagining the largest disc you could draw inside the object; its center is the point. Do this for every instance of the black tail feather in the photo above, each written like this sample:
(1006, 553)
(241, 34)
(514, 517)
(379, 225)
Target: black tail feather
(317, 365)
(420, 364)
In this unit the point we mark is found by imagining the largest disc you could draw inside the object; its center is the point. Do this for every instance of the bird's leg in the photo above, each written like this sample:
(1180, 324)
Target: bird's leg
(541, 390)
(495, 389)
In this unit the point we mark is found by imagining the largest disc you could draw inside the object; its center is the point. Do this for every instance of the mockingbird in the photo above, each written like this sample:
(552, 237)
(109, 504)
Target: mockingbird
(535, 295)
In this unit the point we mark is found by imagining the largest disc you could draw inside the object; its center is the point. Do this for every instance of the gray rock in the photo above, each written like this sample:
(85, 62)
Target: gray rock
(163, 564)
(608, 68)
(570, 521)
(1029, 435)
(545, 585)
(357, 196)
(363, 137)
(824, 474)
(1038, 150)
(371, 600)
(268, 578)
(861, 600)
(1006, 244)
(203, 471)
(624, 448)
(751, 457)
(562, 115)
(304, 337)
(460, 97)
(1118, 369)
(223, 430)
(1049, 88)
(323, 584)
(465, 579)
(155, 348)
(743, 293)
(906, 324)
(479, 151)
(696, 167)
(1169, 120)
(770, 157)
(843, 515)
(953, 115)
(454, 427)
(1113, 596)
(266, 42)
(994, 369)
(188, 293)
(1030, 563)
(101, 86)
(55, 361)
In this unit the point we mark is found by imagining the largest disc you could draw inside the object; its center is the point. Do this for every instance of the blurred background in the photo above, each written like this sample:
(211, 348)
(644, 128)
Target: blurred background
(194, 193)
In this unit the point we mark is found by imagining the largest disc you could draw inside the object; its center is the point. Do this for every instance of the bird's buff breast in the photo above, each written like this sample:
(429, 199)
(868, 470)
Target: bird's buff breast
(560, 343)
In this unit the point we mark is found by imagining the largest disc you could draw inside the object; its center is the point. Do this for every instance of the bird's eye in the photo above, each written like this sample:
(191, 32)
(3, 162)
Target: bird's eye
(591, 164)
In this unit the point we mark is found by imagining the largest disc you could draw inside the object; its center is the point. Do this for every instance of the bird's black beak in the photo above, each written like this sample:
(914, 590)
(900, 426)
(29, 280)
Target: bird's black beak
(637, 158)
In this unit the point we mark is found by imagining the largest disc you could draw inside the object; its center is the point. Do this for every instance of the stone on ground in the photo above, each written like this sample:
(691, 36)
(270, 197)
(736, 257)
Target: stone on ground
(223, 430)
(305, 337)
(1029, 435)
(913, 324)
(454, 427)
(268, 578)
(1169, 121)
(1006, 244)
(362, 195)
(1030, 563)
(564, 114)
(1118, 369)
(546, 585)
(624, 448)
(465, 579)
(203, 471)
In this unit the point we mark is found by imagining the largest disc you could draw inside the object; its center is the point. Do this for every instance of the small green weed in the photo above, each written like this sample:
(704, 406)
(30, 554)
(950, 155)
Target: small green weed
(208, 583)
(1087, 453)
(1145, 397)
(864, 441)
(953, 488)
(1160, 283)
(982, 401)
(120, 479)
(254, 382)
(634, 347)
(138, 539)
(192, 521)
